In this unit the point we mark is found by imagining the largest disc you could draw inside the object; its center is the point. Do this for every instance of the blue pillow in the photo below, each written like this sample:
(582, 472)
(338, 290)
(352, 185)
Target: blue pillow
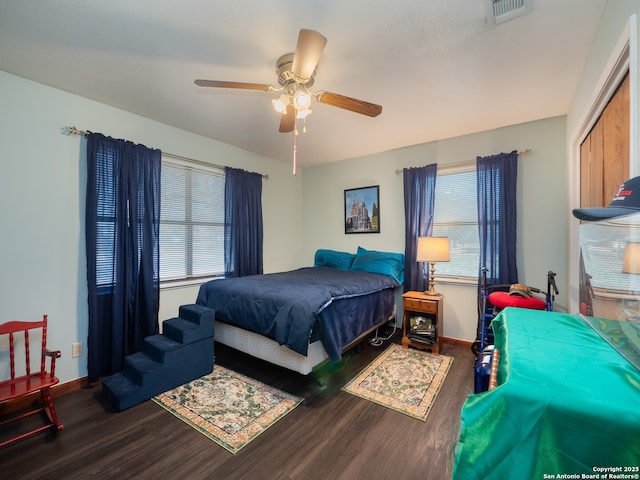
(384, 263)
(333, 259)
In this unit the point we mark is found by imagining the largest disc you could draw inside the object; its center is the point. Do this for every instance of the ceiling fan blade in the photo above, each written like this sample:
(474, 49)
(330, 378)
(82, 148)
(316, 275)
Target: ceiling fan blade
(308, 50)
(348, 103)
(288, 120)
(222, 84)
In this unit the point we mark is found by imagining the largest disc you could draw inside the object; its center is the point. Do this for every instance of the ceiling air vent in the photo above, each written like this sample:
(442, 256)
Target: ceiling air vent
(502, 10)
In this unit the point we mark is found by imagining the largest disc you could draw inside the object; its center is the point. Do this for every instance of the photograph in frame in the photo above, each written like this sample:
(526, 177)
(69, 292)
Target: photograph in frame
(362, 210)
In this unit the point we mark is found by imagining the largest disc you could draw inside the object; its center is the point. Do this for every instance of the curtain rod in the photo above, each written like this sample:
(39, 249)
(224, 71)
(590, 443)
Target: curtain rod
(466, 162)
(83, 133)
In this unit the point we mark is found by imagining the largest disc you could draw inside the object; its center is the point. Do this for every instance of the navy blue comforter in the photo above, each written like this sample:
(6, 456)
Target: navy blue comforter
(287, 306)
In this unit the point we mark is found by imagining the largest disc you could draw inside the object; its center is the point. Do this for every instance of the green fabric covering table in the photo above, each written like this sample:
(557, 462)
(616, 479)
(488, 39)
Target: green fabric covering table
(567, 403)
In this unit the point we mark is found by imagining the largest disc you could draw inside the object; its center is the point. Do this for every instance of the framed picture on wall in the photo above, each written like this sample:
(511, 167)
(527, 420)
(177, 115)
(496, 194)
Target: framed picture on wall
(362, 210)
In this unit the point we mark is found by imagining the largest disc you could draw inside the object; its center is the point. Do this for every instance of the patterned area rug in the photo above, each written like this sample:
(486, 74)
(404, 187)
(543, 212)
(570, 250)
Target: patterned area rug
(402, 379)
(227, 407)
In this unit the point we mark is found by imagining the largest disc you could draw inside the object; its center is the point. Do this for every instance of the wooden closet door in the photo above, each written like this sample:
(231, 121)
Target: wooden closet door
(591, 169)
(604, 154)
(616, 140)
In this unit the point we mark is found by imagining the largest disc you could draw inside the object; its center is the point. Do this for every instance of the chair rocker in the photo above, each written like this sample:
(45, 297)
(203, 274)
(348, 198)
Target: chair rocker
(22, 385)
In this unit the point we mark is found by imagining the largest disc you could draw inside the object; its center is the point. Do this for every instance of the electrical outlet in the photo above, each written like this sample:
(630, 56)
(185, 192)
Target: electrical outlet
(76, 349)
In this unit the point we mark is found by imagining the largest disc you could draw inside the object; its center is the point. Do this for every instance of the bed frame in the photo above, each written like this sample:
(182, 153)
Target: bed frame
(269, 350)
(330, 301)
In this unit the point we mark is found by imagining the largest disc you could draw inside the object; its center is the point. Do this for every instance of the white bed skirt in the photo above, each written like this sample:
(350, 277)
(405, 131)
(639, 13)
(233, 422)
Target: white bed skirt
(269, 350)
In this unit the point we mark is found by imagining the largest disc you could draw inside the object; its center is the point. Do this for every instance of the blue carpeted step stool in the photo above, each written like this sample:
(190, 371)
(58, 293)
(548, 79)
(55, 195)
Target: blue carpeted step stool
(182, 353)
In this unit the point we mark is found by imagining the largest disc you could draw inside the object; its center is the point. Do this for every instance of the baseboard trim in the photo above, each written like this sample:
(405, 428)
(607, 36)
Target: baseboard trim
(456, 341)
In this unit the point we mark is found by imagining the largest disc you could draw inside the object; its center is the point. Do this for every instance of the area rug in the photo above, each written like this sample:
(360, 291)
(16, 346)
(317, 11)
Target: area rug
(402, 379)
(229, 408)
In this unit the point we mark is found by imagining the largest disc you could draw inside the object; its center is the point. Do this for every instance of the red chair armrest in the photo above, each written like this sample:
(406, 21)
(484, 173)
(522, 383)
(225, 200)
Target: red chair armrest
(51, 353)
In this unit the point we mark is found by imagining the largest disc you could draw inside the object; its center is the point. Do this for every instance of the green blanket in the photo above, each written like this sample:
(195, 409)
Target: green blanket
(567, 403)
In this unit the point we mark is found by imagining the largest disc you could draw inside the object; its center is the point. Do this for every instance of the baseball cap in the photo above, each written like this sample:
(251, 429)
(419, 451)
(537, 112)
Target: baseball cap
(625, 202)
(520, 290)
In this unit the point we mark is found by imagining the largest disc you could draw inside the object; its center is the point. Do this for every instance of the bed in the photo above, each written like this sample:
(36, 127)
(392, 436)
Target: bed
(567, 401)
(301, 318)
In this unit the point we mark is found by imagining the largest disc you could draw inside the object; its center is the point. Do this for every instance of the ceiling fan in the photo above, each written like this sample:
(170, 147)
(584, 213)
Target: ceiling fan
(296, 72)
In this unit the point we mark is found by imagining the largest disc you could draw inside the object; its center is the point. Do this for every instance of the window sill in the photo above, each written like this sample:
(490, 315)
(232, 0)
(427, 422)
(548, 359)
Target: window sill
(615, 295)
(457, 280)
(168, 284)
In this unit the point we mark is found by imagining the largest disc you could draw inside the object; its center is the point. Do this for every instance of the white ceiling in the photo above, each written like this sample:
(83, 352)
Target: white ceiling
(439, 68)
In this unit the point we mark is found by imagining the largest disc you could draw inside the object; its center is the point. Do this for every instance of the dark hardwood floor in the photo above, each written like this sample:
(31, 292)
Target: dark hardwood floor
(331, 435)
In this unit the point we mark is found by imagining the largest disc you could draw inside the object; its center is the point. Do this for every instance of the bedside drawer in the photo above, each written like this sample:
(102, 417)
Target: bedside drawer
(426, 306)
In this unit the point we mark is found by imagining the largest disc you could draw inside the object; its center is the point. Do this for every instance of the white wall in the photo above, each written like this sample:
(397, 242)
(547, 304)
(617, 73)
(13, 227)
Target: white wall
(42, 192)
(542, 206)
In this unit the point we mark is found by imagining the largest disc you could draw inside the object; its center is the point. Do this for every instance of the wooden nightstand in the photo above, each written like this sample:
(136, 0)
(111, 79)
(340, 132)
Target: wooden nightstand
(421, 311)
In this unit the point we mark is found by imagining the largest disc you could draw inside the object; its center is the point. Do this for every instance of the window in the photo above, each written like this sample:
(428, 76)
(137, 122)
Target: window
(191, 220)
(106, 220)
(603, 247)
(456, 217)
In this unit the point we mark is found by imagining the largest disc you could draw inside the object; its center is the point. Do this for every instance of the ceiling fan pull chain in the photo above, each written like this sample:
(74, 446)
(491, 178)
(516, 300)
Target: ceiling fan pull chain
(296, 75)
(295, 152)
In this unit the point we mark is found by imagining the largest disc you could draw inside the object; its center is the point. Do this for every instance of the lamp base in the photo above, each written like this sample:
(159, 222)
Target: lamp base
(432, 283)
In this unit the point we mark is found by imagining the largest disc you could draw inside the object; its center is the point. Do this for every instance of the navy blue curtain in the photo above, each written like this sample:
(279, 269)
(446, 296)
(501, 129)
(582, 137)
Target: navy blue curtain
(497, 217)
(243, 223)
(419, 200)
(122, 242)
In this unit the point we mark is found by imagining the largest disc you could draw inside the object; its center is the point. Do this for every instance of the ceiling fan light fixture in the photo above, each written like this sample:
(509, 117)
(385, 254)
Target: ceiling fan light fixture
(280, 103)
(296, 75)
(301, 101)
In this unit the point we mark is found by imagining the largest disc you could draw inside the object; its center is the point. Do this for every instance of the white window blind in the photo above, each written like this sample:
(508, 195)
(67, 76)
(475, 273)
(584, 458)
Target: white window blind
(603, 246)
(456, 217)
(191, 221)
(106, 217)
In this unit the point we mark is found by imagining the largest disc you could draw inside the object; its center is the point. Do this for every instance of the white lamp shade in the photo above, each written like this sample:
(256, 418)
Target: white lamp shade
(301, 100)
(280, 103)
(433, 249)
(631, 262)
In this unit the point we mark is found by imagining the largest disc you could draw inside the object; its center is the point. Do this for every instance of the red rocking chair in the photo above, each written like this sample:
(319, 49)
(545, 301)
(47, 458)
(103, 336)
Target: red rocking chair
(21, 385)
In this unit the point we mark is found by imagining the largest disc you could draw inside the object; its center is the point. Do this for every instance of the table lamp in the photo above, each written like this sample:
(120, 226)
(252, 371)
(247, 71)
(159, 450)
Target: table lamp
(631, 262)
(432, 250)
